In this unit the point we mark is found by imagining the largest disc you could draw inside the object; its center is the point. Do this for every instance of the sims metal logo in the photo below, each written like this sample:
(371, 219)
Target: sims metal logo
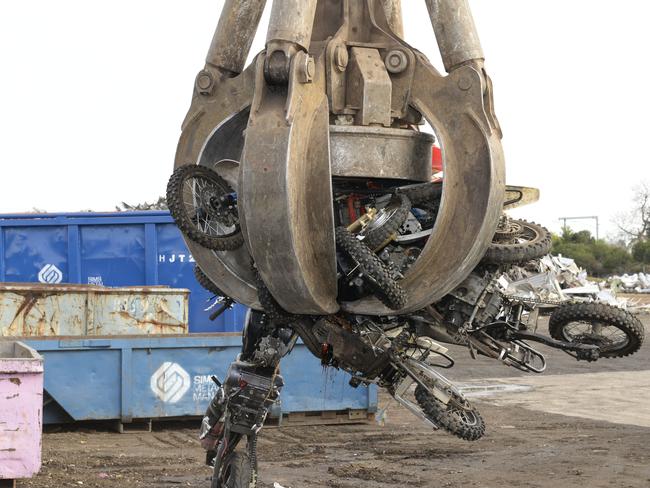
(170, 382)
(50, 274)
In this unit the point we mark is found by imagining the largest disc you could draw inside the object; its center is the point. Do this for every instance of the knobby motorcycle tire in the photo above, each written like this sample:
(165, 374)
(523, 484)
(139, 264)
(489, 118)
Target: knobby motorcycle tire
(236, 472)
(255, 327)
(423, 193)
(376, 238)
(599, 313)
(206, 282)
(270, 305)
(184, 222)
(442, 415)
(373, 270)
(521, 252)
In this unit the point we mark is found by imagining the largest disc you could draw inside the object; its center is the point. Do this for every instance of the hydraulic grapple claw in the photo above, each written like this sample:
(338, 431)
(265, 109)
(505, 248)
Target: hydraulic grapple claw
(332, 106)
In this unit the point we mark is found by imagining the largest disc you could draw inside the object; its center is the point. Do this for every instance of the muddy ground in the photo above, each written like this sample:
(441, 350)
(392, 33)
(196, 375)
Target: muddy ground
(582, 425)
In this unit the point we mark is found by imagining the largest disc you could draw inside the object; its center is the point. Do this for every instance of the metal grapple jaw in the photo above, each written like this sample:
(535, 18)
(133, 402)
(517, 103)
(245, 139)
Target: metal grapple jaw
(332, 109)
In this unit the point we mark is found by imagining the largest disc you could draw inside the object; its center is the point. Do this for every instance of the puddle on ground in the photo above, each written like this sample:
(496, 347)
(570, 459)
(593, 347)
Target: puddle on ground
(492, 389)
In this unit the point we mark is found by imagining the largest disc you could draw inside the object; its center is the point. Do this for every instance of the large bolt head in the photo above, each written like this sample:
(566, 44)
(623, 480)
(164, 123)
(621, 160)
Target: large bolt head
(204, 82)
(396, 61)
(465, 82)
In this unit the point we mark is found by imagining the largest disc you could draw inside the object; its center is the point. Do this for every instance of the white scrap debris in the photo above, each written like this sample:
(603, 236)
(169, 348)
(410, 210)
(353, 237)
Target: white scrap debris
(568, 272)
(542, 286)
(277, 485)
(609, 297)
(556, 278)
(587, 290)
(636, 283)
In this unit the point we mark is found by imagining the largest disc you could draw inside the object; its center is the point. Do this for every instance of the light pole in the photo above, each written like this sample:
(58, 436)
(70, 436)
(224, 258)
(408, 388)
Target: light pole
(565, 219)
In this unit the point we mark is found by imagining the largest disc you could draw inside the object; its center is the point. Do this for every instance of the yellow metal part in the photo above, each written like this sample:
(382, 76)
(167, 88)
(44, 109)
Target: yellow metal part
(364, 220)
(518, 196)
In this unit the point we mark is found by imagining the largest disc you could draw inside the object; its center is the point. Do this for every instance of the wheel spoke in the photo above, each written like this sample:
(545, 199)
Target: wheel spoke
(603, 335)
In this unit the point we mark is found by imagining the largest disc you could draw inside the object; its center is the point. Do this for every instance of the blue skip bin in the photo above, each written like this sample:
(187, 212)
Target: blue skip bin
(110, 249)
(145, 377)
(161, 377)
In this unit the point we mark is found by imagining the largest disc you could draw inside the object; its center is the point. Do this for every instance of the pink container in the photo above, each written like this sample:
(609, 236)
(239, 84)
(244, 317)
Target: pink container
(21, 410)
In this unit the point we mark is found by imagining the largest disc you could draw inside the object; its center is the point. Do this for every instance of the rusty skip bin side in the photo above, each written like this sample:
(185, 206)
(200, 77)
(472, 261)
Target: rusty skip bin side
(36, 310)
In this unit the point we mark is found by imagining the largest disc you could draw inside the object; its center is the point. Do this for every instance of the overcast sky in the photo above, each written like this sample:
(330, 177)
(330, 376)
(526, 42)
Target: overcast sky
(92, 95)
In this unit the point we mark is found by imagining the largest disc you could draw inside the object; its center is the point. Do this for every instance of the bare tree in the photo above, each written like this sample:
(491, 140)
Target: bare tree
(161, 204)
(635, 225)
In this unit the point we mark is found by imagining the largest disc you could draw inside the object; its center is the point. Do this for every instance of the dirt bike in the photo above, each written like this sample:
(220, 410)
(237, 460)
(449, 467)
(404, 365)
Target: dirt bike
(477, 313)
(401, 353)
(492, 323)
(390, 355)
(242, 402)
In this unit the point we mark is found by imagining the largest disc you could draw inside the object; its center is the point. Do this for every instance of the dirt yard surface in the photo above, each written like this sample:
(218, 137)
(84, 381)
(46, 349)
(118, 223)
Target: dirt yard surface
(636, 299)
(641, 298)
(580, 425)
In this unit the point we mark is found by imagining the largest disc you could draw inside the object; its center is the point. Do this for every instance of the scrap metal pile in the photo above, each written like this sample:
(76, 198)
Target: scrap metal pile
(304, 188)
(635, 283)
(559, 279)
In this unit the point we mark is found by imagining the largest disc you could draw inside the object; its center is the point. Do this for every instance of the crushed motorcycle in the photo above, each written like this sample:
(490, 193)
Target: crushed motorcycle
(303, 189)
(379, 235)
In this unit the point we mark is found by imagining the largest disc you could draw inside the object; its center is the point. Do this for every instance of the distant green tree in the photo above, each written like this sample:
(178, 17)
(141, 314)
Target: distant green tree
(641, 251)
(161, 204)
(598, 257)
